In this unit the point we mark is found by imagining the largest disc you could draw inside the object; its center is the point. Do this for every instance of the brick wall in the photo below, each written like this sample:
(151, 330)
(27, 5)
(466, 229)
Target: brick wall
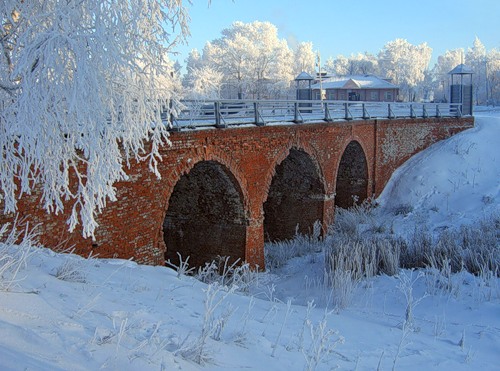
(133, 226)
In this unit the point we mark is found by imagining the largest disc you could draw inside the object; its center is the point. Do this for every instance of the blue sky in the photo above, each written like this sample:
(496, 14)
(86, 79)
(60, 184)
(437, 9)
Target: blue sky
(350, 26)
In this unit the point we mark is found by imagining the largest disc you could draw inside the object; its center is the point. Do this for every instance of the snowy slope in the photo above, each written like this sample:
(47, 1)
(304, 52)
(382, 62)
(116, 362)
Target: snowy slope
(454, 182)
(117, 315)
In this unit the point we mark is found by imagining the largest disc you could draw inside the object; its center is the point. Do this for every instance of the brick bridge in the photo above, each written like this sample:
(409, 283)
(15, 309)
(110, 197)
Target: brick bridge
(227, 191)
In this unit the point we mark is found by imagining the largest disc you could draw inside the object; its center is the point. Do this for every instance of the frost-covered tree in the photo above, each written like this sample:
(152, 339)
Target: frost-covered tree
(493, 76)
(362, 64)
(405, 64)
(252, 58)
(193, 62)
(82, 88)
(356, 64)
(177, 67)
(233, 65)
(425, 89)
(304, 58)
(338, 66)
(445, 63)
(476, 59)
(206, 83)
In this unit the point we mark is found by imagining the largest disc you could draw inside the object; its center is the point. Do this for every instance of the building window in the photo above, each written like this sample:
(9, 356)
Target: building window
(331, 94)
(388, 96)
(342, 95)
(374, 95)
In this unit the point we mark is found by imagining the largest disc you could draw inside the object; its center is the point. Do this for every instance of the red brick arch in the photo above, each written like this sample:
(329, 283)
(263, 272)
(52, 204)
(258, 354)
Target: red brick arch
(190, 159)
(291, 201)
(365, 147)
(366, 152)
(186, 164)
(283, 154)
(346, 143)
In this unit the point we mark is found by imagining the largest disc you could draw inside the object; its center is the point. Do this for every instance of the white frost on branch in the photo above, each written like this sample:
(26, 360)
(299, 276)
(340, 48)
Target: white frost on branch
(206, 83)
(82, 88)
(254, 61)
(406, 64)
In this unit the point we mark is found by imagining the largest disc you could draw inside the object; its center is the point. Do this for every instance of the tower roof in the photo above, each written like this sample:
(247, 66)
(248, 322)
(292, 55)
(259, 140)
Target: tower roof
(461, 69)
(304, 76)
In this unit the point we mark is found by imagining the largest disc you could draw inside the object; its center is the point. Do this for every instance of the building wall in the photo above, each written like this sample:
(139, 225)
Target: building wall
(247, 159)
(365, 94)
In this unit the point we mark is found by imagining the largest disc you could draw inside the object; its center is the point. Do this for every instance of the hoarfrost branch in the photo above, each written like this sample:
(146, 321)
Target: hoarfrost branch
(83, 85)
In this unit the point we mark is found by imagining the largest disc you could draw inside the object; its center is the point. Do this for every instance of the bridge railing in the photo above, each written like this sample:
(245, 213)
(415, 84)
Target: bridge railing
(226, 113)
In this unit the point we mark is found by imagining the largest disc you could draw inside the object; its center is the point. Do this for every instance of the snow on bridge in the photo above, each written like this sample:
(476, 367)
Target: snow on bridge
(229, 113)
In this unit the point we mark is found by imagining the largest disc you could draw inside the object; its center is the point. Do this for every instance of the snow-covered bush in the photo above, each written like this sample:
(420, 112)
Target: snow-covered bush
(72, 270)
(323, 341)
(481, 245)
(182, 268)
(349, 260)
(355, 220)
(417, 247)
(474, 248)
(404, 209)
(388, 255)
(406, 284)
(226, 273)
(14, 257)
(278, 253)
(354, 250)
(212, 325)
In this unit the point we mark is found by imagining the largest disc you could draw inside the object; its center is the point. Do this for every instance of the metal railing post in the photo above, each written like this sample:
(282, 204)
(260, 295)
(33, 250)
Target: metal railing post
(366, 116)
(217, 114)
(412, 112)
(390, 114)
(296, 113)
(327, 118)
(257, 120)
(424, 112)
(347, 114)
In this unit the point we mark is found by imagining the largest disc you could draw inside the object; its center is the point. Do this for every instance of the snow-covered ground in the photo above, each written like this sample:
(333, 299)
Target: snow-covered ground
(451, 183)
(64, 312)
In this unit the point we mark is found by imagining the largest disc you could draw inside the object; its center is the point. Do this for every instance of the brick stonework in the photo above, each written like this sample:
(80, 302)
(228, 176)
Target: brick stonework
(245, 160)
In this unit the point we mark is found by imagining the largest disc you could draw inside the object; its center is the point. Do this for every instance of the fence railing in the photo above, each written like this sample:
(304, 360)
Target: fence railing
(227, 113)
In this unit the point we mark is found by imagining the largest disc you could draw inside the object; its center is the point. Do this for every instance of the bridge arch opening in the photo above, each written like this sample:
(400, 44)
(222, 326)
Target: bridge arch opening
(352, 177)
(295, 199)
(205, 216)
